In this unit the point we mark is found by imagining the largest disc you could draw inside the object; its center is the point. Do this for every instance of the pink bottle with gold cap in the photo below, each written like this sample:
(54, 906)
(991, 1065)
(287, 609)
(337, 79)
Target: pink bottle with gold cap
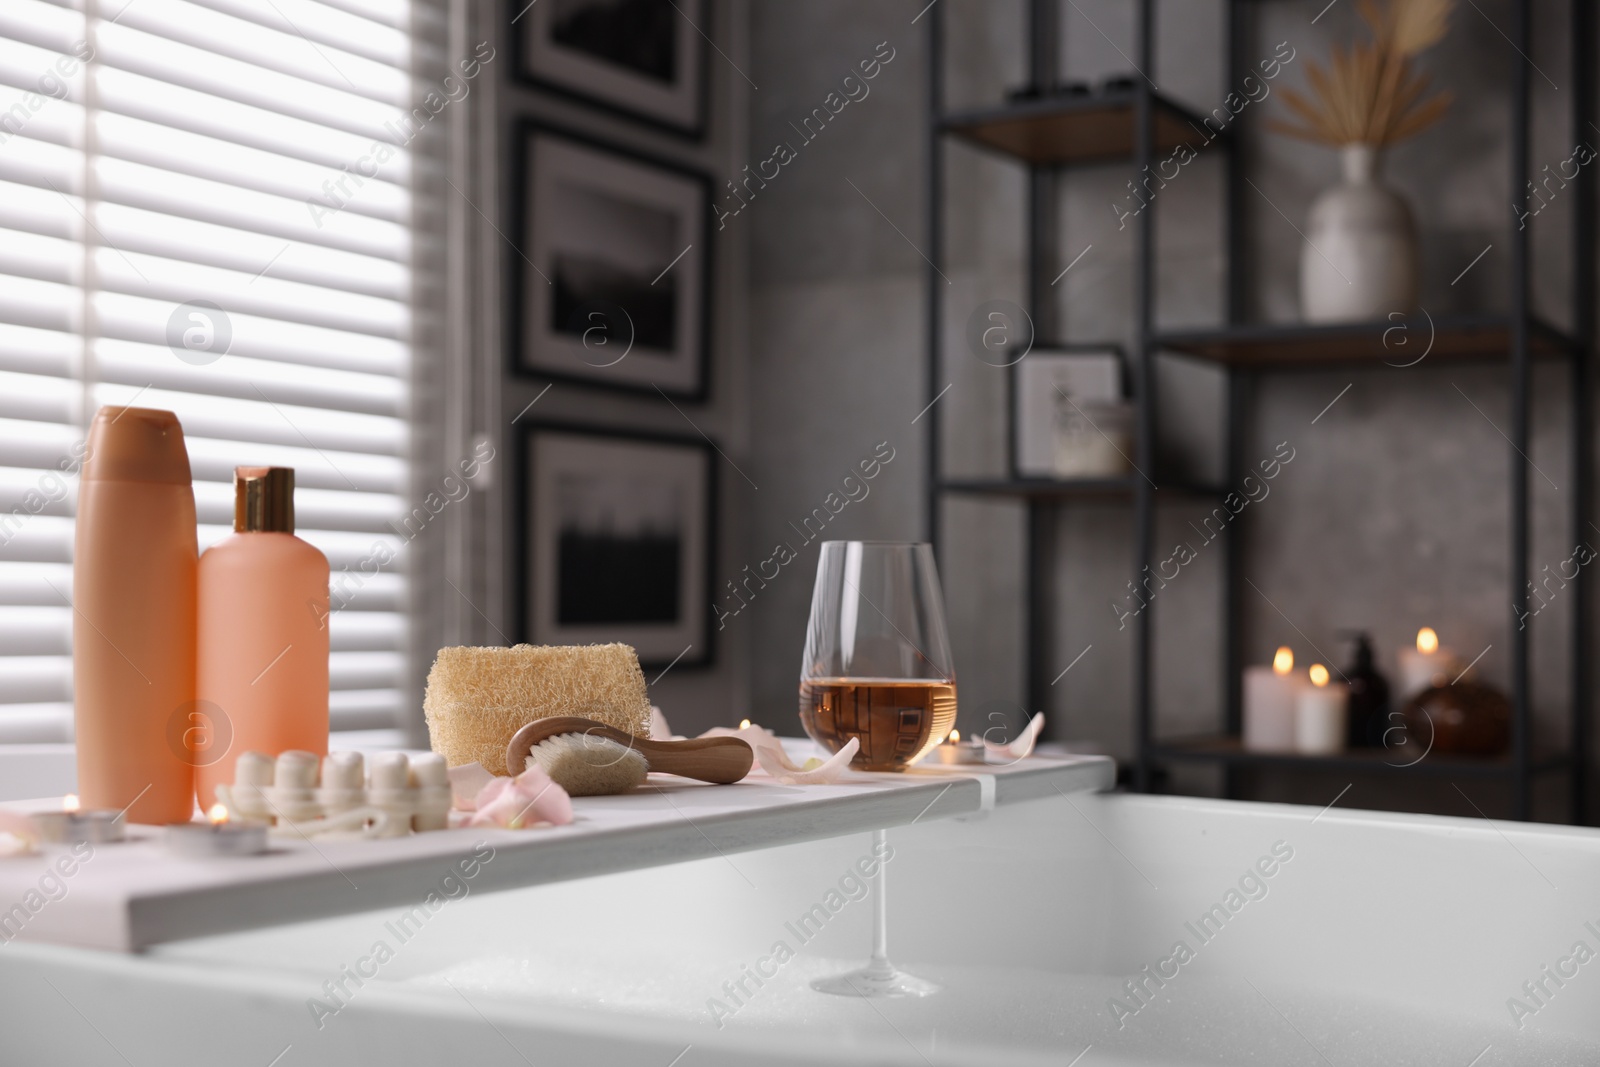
(133, 627)
(263, 633)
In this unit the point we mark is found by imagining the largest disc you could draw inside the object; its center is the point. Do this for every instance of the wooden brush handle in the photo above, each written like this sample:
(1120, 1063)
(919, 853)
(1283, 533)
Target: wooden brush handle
(720, 760)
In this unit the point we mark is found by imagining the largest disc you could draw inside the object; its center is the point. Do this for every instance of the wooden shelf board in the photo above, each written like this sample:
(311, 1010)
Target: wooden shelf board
(1398, 344)
(1065, 130)
(130, 895)
(1229, 749)
(1071, 489)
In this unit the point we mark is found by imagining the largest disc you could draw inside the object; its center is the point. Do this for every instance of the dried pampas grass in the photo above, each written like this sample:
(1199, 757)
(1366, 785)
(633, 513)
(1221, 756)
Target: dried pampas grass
(1372, 93)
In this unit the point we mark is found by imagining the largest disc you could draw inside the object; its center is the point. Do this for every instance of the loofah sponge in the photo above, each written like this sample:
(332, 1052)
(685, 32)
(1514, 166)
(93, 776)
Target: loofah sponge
(478, 697)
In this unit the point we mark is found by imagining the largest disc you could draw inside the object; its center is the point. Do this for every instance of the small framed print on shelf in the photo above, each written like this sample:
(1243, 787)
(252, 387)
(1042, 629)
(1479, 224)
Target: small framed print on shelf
(1069, 417)
(611, 283)
(614, 541)
(645, 59)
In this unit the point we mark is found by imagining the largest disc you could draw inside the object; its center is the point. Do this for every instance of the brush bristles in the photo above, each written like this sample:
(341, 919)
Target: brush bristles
(478, 697)
(586, 765)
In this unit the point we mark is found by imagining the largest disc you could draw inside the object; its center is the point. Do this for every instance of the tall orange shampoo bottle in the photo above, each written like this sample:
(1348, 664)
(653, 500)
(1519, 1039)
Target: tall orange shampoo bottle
(133, 619)
(262, 677)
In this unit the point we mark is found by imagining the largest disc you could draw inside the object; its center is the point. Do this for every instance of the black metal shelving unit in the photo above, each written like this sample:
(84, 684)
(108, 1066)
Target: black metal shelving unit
(1049, 135)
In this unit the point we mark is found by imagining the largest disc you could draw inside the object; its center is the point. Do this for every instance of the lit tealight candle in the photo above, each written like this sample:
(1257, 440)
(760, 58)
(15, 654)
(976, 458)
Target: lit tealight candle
(952, 751)
(744, 724)
(1319, 715)
(72, 824)
(217, 836)
(1428, 664)
(1269, 704)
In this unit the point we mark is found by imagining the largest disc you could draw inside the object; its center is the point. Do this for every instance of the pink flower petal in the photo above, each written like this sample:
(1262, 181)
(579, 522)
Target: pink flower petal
(1019, 749)
(547, 800)
(524, 801)
(776, 763)
(466, 782)
(775, 760)
(18, 834)
(756, 737)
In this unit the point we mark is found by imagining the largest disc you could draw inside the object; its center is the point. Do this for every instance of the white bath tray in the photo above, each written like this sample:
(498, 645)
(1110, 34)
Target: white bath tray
(134, 894)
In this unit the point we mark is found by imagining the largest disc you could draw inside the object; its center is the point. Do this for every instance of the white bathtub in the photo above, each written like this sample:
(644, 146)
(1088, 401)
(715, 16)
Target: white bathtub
(1382, 938)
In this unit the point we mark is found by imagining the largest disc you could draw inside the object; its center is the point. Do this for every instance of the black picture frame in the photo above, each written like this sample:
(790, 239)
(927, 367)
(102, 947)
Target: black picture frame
(566, 71)
(534, 352)
(660, 648)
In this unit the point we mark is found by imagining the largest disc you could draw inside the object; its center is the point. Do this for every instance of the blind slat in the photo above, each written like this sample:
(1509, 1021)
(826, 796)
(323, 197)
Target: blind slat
(325, 431)
(141, 319)
(38, 22)
(37, 398)
(138, 141)
(251, 379)
(318, 45)
(126, 93)
(43, 445)
(222, 204)
(375, 34)
(368, 94)
(35, 724)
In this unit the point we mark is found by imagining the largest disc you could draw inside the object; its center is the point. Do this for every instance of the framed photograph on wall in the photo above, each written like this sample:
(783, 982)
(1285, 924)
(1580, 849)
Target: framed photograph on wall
(612, 281)
(1063, 395)
(614, 541)
(645, 59)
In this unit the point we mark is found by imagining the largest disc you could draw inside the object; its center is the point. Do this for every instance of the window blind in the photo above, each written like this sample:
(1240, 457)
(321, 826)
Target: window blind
(205, 207)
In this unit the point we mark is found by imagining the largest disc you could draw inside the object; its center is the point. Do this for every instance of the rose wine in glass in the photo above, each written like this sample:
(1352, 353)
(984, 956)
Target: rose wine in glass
(877, 668)
(877, 664)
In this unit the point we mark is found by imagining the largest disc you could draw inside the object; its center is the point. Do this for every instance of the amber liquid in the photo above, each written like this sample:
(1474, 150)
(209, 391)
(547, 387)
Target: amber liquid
(897, 722)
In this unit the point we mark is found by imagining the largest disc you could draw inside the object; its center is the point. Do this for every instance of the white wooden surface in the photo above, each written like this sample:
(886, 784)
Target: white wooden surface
(135, 894)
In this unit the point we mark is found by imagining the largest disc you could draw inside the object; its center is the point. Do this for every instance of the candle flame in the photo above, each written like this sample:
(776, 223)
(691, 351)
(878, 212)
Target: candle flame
(218, 814)
(1283, 662)
(955, 735)
(1427, 640)
(1319, 675)
(69, 802)
(744, 724)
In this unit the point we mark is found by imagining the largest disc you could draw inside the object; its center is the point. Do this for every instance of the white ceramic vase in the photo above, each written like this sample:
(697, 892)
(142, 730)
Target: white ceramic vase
(1359, 262)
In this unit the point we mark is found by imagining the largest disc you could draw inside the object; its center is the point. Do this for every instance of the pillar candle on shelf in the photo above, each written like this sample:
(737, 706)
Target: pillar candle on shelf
(1269, 704)
(1428, 664)
(1319, 715)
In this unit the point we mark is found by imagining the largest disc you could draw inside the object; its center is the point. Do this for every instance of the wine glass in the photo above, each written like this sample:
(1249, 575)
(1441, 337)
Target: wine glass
(877, 664)
(877, 667)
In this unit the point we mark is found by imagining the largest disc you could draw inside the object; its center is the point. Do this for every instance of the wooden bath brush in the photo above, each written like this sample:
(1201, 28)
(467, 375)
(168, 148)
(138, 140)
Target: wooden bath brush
(589, 758)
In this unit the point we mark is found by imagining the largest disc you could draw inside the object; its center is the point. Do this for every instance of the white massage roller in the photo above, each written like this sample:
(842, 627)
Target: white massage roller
(252, 777)
(343, 783)
(388, 790)
(431, 780)
(293, 793)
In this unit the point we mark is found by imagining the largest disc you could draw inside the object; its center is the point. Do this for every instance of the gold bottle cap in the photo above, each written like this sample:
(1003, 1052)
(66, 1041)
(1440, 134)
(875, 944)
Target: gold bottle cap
(263, 499)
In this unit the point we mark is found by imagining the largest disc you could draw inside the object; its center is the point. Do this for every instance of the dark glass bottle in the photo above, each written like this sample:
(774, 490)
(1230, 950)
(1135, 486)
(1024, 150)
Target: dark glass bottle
(1368, 710)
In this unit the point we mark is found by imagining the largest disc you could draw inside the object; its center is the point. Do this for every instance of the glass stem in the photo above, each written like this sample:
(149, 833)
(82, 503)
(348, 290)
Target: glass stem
(880, 912)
